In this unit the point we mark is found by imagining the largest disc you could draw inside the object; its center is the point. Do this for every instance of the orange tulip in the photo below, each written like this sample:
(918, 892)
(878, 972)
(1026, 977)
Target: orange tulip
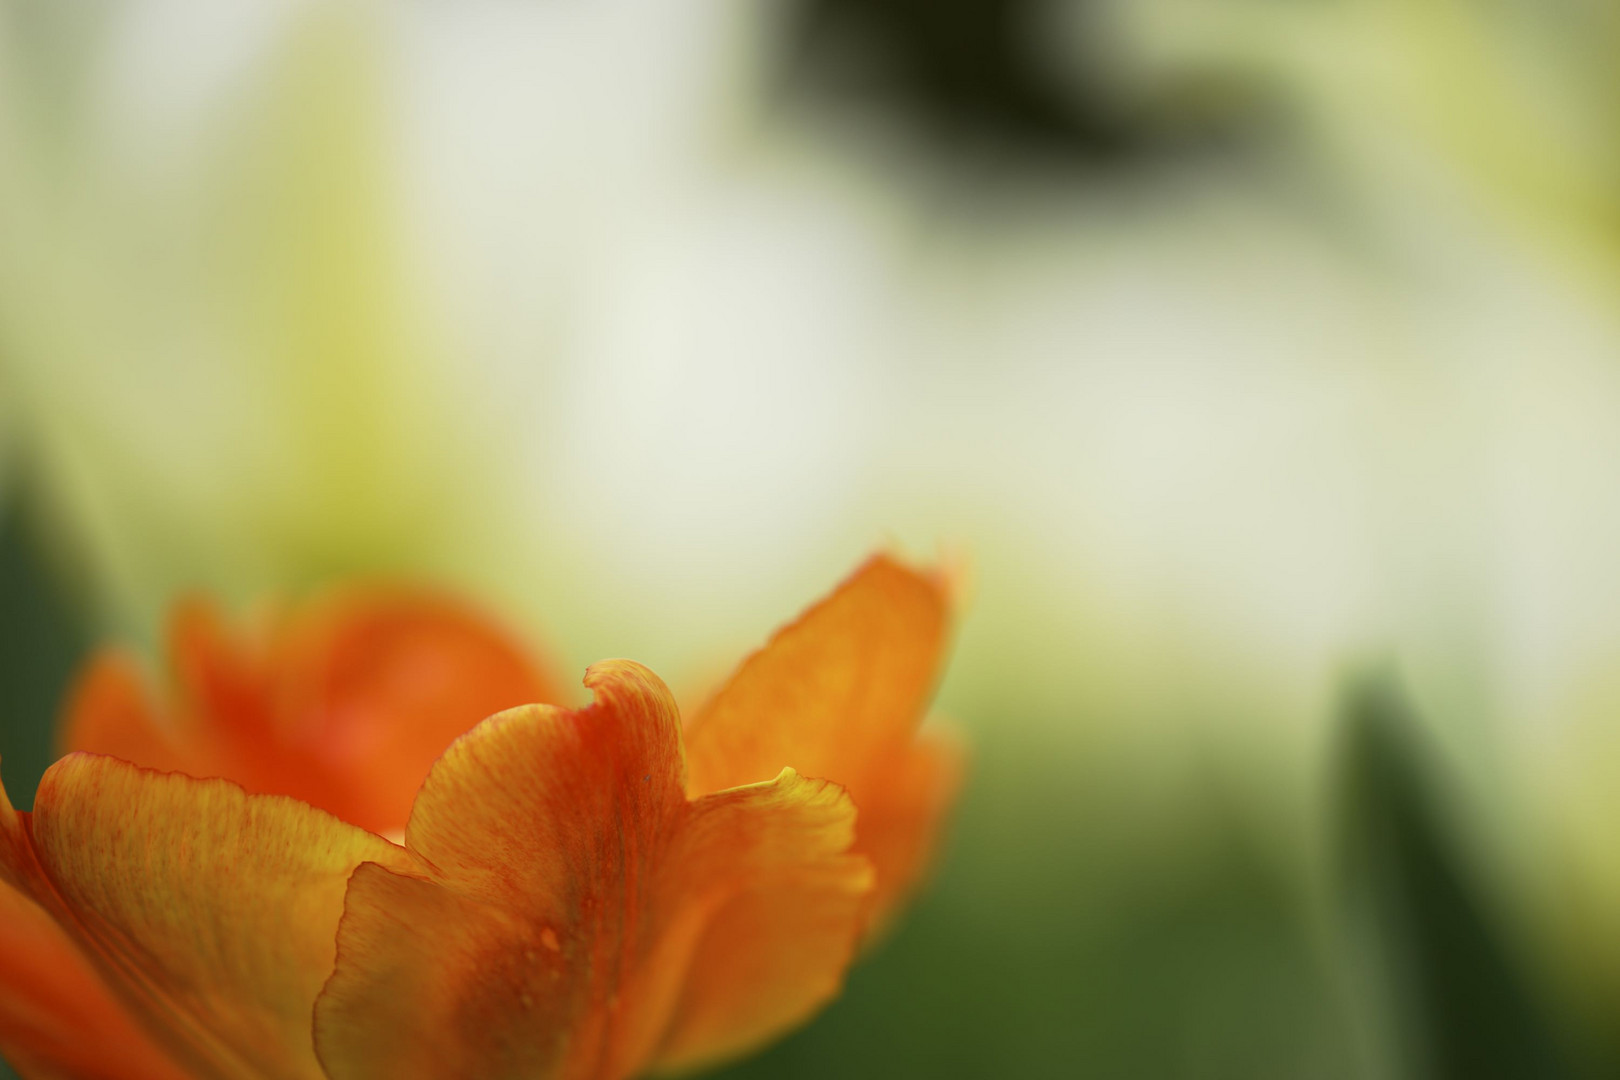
(575, 893)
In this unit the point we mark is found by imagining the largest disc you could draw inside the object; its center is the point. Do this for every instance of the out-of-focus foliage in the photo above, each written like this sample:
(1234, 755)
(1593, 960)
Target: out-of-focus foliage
(1442, 979)
(41, 641)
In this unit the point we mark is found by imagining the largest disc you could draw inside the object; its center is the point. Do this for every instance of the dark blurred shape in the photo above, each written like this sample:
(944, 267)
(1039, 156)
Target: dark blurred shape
(41, 643)
(985, 75)
(1457, 1000)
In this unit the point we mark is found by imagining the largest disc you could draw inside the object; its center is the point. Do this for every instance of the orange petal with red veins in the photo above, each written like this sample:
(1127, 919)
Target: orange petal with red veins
(58, 1020)
(840, 694)
(571, 883)
(211, 912)
(546, 828)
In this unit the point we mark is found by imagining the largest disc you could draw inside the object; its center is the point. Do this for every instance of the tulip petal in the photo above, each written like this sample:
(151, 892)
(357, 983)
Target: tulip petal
(840, 693)
(544, 828)
(110, 712)
(343, 704)
(769, 959)
(832, 694)
(570, 883)
(613, 769)
(211, 911)
(902, 818)
(58, 1019)
(220, 674)
(377, 682)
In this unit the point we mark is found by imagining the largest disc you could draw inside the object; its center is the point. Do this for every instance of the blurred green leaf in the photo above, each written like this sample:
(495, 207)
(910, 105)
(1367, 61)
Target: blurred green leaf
(1454, 1001)
(41, 643)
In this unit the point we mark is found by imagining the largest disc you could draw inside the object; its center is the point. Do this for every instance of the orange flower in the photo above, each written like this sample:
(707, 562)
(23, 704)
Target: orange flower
(576, 893)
